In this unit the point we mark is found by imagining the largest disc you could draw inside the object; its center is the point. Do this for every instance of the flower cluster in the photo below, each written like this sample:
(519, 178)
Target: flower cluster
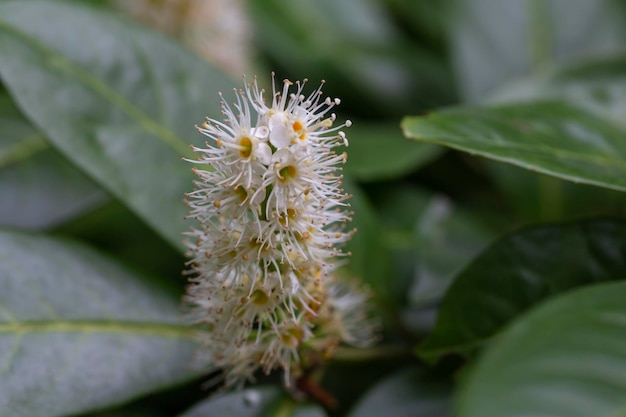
(272, 217)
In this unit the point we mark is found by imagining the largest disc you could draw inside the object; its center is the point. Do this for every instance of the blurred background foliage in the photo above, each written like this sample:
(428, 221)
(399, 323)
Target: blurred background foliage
(423, 211)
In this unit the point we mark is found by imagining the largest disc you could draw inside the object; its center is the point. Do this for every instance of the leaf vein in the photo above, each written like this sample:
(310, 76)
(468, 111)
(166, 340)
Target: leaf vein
(94, 326)
(22, 150)
(15, 347)
(100, 88)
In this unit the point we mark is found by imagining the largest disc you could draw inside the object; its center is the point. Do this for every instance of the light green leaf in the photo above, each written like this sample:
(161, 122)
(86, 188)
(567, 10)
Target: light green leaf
(518, 271)
(619, 413)
(39, 188)
(565, 358)
(548, 137)
(495, 41)
(408, 393)
(80, 332)
(117, 100)
(254, 402)
(380, 152)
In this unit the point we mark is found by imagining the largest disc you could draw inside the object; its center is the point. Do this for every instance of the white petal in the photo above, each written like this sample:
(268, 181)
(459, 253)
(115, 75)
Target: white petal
(260, 132)
(279, 136)
(263, 153)
(295, 284)
(277, 119)
(301, 112)
(282, 158)
(258, 197)
(302, 150)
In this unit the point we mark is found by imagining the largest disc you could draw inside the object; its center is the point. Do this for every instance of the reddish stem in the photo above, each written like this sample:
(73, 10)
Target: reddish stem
(312, 389)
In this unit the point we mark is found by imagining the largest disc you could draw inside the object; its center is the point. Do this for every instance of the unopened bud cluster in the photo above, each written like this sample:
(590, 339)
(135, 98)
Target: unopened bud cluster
(272, 217)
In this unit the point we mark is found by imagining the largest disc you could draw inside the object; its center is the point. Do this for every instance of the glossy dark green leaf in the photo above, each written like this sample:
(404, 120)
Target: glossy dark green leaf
(254, 402)
(598, 86)
(565, 358)
(117, 100)
(380, 152)
(518, 271)
(495, 41)
(408, 393)
(80, 332)
(548, 137)
(38, 187)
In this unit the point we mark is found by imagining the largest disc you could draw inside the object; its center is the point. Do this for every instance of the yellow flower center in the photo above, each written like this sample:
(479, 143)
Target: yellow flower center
(259, 298)
(298, 127)
(287, 173)
(246, 145)
(290, 215)
(292, 336)
(241, 193)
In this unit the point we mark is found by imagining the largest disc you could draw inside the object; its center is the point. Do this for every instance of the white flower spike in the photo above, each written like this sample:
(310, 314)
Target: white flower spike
(271, 215)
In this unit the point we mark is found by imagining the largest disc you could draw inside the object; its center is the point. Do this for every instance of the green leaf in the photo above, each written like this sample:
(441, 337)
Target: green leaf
(249, 403)
(536, 197)
(431, 238)
(565, 358)
(408, 393)
(427, 19)
(39, 189)
(493, 42)
(447, 238)
(355, 45)
(399, 209)
(518, 271)
(597, 86)
(254, 402)
(380, 152)
(548, 137)
(619, 413)
(120, 101)
(114, 229)
(370, 260)
(80, 332)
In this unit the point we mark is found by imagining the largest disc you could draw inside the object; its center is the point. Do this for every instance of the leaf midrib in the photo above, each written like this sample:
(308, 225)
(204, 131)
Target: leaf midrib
(166, 330)
(101, 89)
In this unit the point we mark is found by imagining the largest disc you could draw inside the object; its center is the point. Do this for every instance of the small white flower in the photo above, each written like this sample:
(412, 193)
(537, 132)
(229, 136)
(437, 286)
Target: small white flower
(279, 132)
